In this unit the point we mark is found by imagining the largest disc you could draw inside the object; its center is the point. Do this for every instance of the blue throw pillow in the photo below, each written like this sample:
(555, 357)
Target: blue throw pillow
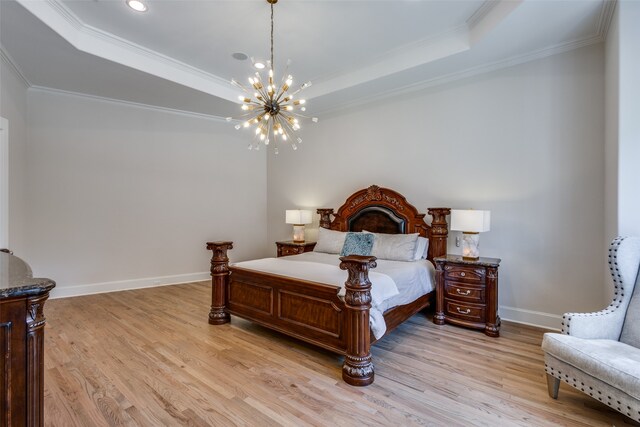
(358, 244)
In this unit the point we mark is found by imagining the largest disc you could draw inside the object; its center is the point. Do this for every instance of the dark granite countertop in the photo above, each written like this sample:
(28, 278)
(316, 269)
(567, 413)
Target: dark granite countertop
(482, 261)
(16, 279)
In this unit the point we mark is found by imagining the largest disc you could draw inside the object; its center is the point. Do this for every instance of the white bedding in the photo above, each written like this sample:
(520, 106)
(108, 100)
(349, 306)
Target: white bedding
(393, 283)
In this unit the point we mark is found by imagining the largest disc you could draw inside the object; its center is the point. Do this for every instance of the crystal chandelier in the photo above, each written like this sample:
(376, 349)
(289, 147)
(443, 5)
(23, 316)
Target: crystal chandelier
(270, 107)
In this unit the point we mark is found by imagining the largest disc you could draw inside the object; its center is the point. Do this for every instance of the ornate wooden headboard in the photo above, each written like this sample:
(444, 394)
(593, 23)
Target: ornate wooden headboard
(382, 210)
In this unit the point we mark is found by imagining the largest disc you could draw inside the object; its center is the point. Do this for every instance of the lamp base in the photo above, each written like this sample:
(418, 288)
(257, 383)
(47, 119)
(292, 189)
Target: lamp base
(298, 233)
(470, 243)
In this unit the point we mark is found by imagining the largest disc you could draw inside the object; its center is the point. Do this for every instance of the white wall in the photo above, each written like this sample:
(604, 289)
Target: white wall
(525, 142)
(13, 107)
(629, 118)
(612, 60)
(122, 193)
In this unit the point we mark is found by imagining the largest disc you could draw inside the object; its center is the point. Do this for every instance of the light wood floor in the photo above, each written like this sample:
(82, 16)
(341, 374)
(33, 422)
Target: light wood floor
(148, 357)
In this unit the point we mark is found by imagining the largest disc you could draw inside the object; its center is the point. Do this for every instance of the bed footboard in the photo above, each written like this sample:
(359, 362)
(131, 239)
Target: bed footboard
(305, 310)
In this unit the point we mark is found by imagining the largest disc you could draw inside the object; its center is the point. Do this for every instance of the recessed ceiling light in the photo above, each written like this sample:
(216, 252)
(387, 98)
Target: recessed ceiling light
(137, 5)
(240, 56)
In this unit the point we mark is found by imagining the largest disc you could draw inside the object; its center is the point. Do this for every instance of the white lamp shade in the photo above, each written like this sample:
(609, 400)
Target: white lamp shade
(470, 220)
(298, 217)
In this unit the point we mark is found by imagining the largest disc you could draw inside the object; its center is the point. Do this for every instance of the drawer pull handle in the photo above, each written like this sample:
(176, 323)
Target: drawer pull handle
(467, 311)
(459, 292)
(462, 273)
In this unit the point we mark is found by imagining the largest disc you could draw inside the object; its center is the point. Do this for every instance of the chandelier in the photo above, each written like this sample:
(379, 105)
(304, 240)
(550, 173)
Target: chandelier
(270, 108)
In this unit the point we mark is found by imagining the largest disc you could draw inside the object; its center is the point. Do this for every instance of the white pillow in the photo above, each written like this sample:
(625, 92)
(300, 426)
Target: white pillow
(394, 247)
(422, 248)
(330, 241)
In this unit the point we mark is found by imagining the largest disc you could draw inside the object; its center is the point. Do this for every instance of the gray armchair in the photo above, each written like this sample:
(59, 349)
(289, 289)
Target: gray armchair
(599, 353)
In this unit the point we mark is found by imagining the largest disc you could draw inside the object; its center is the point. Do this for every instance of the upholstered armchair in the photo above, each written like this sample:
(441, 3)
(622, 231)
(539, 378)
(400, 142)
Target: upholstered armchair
(599, 353)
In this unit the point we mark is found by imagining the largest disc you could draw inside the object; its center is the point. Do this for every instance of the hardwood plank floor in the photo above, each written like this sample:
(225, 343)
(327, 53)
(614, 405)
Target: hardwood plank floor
(148, 357)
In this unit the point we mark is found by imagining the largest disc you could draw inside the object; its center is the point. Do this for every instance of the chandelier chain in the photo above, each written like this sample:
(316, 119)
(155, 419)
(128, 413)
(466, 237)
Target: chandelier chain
(272, 65)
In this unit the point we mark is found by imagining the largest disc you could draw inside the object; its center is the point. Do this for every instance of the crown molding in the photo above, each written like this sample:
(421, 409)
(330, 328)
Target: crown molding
(464, 74)
(106, 45)
(606, 16)
(13, 66)
(481, 12)
(140, 105)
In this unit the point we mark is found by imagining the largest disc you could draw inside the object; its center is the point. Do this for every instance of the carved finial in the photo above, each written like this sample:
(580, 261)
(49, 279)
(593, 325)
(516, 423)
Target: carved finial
(325, 217)
(439, 223)
(358, 285)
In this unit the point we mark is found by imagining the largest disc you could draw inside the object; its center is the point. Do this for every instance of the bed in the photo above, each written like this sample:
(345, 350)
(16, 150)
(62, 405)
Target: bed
(319, 313)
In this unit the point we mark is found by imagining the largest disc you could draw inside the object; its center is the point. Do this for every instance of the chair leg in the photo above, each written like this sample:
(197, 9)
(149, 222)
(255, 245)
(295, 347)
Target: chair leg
(553, 384)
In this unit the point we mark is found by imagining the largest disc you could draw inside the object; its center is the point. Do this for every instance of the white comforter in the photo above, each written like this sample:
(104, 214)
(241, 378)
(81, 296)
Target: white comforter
(393, 283)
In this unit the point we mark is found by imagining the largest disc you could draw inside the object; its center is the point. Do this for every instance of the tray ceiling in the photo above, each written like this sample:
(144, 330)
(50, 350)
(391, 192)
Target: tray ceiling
(178, 54)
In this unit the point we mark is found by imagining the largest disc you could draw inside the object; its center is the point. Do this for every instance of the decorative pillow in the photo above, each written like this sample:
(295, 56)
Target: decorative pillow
(394, 247)
(357, 244)
(330, 241)
(422, 248)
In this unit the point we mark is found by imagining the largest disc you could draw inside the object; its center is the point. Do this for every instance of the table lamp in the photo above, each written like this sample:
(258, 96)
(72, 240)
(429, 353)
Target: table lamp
(471, 222)
(298, 218)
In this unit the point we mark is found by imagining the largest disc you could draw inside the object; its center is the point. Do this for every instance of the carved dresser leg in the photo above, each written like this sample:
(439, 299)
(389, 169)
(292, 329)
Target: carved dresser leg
(357, 369)
(219, 280)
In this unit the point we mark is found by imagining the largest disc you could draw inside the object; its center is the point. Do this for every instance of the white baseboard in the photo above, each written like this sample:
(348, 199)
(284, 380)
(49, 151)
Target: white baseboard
(530, 317)
(124, 285)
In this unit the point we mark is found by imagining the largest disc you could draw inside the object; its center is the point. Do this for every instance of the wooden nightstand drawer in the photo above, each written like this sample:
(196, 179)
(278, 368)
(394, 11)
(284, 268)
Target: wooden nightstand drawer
(464, 292)
(474, 313)
(291, 250)
(466, 274)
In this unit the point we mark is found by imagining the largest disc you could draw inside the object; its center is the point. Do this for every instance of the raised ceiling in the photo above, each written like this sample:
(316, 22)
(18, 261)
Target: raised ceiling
(178, 54)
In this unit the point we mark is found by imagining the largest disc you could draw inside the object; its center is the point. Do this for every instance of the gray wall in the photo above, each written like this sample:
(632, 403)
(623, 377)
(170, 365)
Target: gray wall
(121, 193)
(13, 107)
(525, 142)
(628, 118)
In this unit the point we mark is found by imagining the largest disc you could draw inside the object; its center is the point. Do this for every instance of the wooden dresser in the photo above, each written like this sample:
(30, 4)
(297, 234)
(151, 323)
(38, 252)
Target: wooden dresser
(467, 293)
(22, 299)
(290, 247)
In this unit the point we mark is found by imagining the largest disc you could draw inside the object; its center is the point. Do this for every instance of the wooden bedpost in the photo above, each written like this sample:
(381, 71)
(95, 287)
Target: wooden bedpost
(219, 279)
(325, 217)
(439, 232)
(357, 369)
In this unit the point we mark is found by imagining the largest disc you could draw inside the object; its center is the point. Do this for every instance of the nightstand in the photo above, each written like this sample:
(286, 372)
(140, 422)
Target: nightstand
(467, 293)
(289, 247)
